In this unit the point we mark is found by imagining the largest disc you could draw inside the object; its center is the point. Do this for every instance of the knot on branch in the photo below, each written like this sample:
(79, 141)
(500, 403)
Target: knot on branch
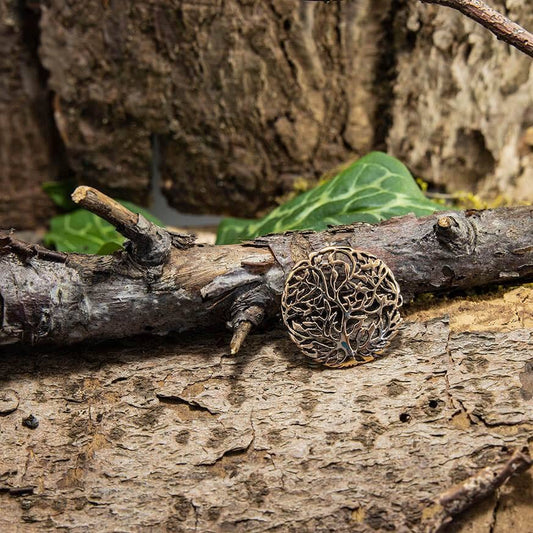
(456, 233)
(150, 244)
(341, 306)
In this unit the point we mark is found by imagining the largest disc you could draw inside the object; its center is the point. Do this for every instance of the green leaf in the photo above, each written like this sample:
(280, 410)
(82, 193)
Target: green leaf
(59, 192)
(374, 188)
(83, 232)
(80, 231)
(108, 248)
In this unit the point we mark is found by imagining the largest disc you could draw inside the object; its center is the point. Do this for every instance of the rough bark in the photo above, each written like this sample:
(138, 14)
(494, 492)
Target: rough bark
(463, 106)
(26, 127)
(494, 21)
(173, 435)
(250, 98)
(59, 298)
(246, 96)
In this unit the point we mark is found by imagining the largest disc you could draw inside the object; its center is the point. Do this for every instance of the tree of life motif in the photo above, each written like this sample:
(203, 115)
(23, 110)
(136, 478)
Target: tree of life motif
(341, 306)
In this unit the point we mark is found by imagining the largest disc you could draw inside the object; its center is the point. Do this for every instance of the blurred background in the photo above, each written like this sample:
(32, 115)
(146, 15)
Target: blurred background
(215, 107)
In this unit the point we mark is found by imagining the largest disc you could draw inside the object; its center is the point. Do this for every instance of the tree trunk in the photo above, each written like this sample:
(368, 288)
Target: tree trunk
(28, 154)
(252, 100)
(245, 96)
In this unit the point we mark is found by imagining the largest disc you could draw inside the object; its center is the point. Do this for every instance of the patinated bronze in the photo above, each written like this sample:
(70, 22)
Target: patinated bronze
(341, 306)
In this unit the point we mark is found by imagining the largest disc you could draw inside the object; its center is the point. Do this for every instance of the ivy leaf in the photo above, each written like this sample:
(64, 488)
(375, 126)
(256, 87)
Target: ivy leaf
(374, 188)
(109, 247)
(84, 232)
(59, 192)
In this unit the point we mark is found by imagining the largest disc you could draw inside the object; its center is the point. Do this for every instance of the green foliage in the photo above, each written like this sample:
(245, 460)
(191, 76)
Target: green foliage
(374, 188)
(59, 192)
(83, 232)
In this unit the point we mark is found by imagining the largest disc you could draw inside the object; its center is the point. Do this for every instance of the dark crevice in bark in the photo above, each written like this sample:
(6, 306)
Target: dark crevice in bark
(43, 103)
(499, 424)
(495, 510)
(178, 400)
(17, 491)
(385, 76)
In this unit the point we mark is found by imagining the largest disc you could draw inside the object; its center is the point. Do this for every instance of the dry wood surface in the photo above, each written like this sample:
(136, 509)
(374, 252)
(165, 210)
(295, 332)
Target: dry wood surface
(172, 434)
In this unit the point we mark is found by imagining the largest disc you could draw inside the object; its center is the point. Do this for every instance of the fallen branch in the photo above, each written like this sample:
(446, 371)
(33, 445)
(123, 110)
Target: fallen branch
(474, 489)
(505, 29)
(163, 282)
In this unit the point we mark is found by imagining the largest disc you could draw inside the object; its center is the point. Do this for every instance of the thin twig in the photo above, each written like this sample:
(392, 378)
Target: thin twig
(505, 29)
(150, 244)
(116, 214)
(26, 251)
(474, 489)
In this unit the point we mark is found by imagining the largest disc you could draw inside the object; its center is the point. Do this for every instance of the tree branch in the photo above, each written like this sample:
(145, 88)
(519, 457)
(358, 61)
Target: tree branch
(474, 489)
(163, 282)
(150, 245)
(504, 29)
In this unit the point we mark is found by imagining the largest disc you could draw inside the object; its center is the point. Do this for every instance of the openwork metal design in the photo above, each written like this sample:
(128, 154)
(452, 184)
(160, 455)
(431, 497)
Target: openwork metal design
(341, 306)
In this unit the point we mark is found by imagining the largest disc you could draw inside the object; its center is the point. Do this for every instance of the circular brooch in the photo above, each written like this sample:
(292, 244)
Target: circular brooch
(341, 306)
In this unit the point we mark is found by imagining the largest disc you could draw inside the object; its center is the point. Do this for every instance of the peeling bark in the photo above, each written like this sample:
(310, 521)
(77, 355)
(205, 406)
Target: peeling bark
(173, 435)
(69, 298)
(249, 98)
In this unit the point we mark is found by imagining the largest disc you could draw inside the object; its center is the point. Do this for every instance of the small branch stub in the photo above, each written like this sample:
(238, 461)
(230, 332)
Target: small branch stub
(341, 306)
(444, 222)
(150, 244)
(240, 334)
(456, 234)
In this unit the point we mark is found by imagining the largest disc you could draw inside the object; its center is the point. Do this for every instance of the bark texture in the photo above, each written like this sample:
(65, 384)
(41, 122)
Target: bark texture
(26, 127)
(173, 435)
(246, 96)
(494, 21)
(49, 297)
(463, 109)
(249, 98)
